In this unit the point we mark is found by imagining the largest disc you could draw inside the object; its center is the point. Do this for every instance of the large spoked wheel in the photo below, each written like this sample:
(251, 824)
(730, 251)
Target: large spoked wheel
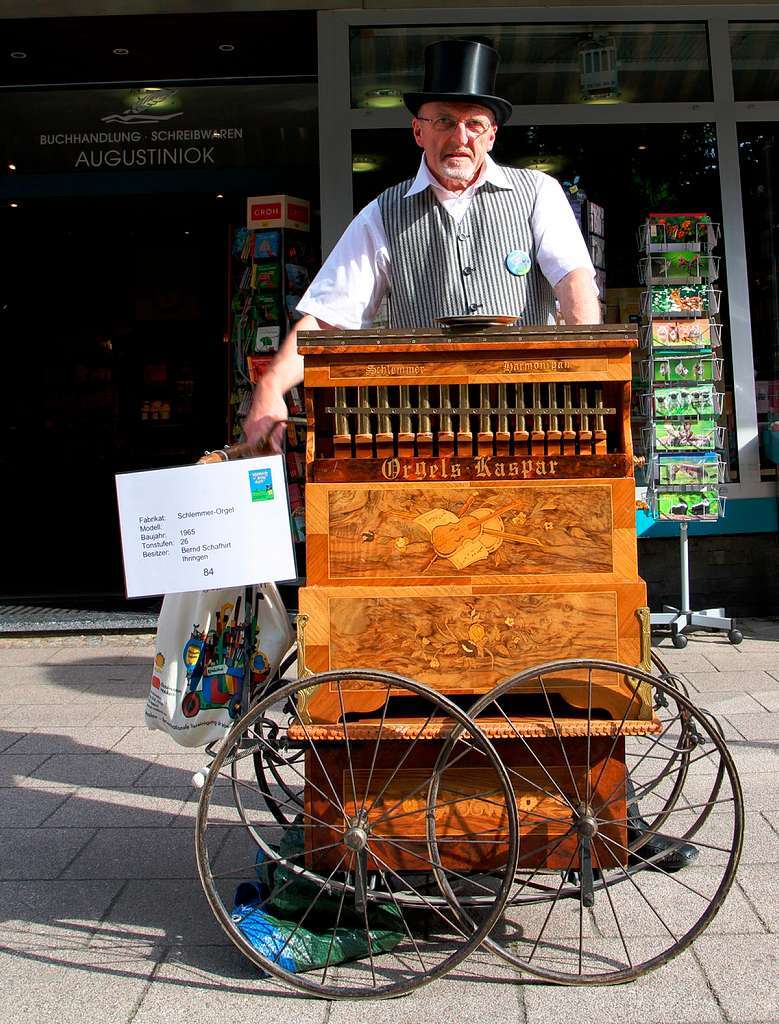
(607, 885)
(352, 872)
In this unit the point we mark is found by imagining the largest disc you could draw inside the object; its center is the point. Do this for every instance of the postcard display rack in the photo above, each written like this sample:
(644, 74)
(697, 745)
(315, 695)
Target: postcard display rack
(272, 267)
(680, 367)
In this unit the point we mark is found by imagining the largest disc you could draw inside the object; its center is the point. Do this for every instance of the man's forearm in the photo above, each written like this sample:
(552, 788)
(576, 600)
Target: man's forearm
(286, 370)
(577, 297)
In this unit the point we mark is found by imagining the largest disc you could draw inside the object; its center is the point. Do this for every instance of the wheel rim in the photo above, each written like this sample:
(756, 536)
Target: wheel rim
(361, 868)
(641, 915)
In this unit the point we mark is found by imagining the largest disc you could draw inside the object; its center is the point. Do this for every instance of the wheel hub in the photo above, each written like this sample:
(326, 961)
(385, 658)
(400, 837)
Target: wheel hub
(356, 836)
(586, 824)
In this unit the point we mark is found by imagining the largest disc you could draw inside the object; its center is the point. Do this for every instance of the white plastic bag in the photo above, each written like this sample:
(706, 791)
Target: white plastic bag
(197, 681)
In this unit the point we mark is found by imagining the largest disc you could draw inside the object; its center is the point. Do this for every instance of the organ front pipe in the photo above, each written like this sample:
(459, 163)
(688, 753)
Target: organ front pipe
(538, 435)
(385, 441)
(485, 437)
(502, 435)
(554, 435)
(599, 434)
(363, 439)
(342, 438)
(446, 427)
(405, 431)
(585, 434)
(425, 432)
(521, 434)
(569, 434)
(464, 435)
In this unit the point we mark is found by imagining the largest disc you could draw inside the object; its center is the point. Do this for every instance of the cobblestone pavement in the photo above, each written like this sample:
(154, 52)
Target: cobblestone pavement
(104, 918)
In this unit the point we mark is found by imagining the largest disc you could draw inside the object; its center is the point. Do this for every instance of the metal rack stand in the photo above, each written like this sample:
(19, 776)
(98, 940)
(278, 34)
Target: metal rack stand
(680, 619)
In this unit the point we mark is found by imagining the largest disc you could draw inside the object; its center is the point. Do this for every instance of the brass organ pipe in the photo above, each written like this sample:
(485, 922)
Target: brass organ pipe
(425, 426)
(382, 402)
(503, 419)
(341, 419)
(363, 418)
(405, 403)
(446, 403)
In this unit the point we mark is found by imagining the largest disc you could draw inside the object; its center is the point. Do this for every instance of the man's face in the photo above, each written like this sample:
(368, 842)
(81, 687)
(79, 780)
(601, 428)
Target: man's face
(454, 157)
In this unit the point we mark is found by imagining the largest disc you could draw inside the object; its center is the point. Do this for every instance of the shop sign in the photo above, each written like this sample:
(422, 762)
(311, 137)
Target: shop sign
(119, 130)
(278, 212)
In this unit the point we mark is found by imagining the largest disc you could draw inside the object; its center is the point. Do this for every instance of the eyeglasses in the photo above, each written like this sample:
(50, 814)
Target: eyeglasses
(474, 126)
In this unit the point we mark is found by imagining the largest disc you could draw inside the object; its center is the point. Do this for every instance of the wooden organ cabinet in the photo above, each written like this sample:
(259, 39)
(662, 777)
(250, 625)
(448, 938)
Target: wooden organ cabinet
(470, 513)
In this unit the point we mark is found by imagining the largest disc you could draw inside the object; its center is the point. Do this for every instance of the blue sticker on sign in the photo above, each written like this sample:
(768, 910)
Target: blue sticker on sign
(261, 484)
(518, 262)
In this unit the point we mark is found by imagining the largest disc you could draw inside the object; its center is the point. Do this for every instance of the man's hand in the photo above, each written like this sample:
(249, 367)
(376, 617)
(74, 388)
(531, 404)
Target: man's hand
(267, 417)
(268, 405)
(578, 299)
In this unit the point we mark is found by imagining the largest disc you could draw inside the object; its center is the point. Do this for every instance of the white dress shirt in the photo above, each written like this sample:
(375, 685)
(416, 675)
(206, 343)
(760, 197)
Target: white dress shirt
(354, 278)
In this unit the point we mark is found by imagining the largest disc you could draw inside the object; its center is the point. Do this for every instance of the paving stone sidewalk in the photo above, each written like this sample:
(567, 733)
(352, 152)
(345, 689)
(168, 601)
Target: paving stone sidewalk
(104, 919)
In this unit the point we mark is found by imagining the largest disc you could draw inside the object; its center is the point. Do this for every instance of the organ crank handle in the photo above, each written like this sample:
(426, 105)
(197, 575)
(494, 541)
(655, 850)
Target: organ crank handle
(244, 450)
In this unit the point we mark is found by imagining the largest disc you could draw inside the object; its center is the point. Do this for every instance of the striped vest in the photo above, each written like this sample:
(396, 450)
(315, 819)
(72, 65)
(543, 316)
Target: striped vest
(440, 268)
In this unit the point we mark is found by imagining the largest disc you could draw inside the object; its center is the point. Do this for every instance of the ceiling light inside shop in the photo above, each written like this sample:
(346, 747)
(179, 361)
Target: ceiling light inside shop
(549, 163)
(12, 167)
(121, 51)
(220, 195)
(365, 162)
(226, 47)
(383, 99)
(13, 205)
(18, 55)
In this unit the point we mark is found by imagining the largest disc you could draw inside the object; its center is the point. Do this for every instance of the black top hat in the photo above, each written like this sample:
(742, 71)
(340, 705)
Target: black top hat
(461, 71)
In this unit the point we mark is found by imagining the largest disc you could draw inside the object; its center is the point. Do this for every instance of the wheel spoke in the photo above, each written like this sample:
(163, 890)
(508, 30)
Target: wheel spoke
(302, 724)
(653, 864)
(607, 889)
(242, 871)
(535, 757)
(348, 749)
(407, 885)
(558, 734)
(376, 749)
(615, 740)
(309, 908)
(458, 798)
(251, 787)
(589, 740)
(306, 781)
(551, 908)
(632, 881)
(438, 867)
(405, 923)
(400, 764)
(337, 921)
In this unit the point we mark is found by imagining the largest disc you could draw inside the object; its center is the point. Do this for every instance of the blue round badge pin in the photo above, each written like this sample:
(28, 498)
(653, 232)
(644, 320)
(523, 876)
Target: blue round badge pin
(518, 262)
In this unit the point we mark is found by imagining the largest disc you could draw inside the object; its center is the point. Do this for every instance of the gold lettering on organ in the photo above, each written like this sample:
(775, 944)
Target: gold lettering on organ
(538, 366)
(480, 468)
(391, 370)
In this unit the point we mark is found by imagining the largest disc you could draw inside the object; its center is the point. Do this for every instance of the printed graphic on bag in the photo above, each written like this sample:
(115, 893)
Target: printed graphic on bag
(688, 505)
(261, 484)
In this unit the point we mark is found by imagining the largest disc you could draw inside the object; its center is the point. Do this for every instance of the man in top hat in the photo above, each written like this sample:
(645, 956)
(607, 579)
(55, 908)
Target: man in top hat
(466, 236)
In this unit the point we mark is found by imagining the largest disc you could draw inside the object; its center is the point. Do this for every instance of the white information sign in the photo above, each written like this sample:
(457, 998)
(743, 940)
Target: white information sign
(200, 527)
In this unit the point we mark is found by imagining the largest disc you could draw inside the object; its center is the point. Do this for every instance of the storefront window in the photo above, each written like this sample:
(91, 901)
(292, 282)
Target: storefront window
(754, 48)
(579, 63)
(759, 155)
(629, 170)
